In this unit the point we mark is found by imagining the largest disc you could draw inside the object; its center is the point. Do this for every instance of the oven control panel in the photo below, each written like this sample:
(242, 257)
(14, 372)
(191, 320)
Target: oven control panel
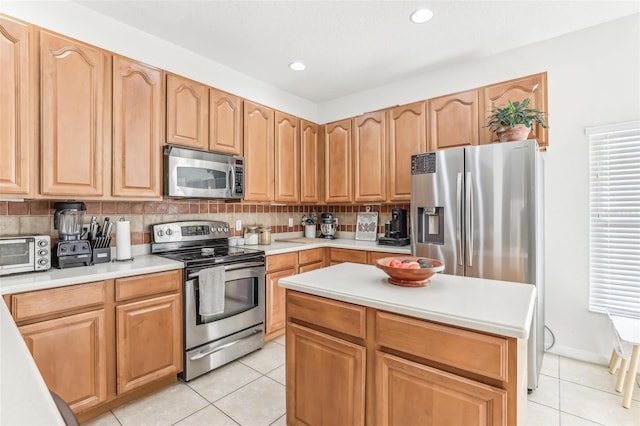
(193, 230)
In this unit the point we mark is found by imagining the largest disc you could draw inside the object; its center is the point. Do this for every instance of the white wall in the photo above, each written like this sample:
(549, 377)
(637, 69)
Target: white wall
(593, 79)
(73, 20)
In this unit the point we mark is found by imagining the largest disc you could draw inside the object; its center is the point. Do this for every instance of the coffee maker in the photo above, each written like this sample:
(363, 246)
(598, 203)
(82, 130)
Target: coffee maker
(328, 226)
(71, 249)
(395, 230)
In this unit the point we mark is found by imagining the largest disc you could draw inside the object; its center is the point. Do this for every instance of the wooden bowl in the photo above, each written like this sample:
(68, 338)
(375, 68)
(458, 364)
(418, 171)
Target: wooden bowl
(409, 277)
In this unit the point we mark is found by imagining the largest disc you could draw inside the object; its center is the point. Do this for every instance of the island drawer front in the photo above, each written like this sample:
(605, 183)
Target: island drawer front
(43, 303)
(345, 255)
(276, 262)
(310, 256)
(147, 285)
(467, 350)
(330, 314)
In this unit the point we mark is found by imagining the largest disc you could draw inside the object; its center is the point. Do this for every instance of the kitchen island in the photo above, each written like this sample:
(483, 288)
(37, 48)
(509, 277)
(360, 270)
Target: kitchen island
(363, 351)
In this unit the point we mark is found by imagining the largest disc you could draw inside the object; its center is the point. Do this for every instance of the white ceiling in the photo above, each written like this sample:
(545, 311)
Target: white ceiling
(351, 46)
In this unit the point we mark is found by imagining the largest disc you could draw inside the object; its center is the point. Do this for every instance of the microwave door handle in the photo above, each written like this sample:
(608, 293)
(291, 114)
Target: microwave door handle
(232, 179)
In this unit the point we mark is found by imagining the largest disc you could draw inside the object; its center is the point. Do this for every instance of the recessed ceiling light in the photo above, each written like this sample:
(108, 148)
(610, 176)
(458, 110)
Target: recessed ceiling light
(297, 66)
(421, 16)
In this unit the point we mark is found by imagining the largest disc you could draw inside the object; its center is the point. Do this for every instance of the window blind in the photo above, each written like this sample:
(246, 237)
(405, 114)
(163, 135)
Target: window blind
(614, 155)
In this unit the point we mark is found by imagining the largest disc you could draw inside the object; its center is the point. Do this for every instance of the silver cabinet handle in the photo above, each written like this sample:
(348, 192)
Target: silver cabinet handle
(459, 218)
(226, 345)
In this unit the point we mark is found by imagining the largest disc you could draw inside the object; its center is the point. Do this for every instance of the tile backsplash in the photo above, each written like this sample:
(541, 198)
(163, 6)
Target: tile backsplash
(36, 217)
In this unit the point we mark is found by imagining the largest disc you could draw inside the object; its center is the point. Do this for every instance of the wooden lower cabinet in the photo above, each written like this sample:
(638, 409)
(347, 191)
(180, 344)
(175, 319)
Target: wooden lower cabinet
(277, 266)
(358, 256)
(148, 341)
(315, 397)
(410, 393)
(71, 353)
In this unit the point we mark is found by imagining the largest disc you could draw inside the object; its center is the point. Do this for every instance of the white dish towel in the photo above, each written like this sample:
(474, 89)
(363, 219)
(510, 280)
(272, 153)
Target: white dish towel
(211, 283)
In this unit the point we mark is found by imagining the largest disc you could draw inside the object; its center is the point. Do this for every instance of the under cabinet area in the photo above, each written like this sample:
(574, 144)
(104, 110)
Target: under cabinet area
(381, 368)
(100, 344)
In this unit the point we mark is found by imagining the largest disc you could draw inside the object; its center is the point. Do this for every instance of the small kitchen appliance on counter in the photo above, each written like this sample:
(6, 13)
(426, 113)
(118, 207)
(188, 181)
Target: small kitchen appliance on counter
(71, 250)
(328, 226)
(395, 230)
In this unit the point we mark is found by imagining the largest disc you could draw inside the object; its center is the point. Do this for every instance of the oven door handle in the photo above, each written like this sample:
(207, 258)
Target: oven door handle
(233, 267)
(225, 346)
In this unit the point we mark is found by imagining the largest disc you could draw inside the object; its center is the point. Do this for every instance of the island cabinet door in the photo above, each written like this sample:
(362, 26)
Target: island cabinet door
(408, 393)
(325, 379)
(71, 353)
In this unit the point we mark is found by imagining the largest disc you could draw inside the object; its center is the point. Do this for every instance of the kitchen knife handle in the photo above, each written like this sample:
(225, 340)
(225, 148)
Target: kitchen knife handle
(468, 217)
(459, 218)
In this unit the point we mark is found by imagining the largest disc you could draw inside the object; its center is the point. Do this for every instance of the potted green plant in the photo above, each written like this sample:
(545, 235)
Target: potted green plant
(513, 122)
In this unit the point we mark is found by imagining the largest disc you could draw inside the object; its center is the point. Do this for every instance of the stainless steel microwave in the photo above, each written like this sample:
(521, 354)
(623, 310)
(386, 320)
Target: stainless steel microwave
(25, 254)
(189, 173)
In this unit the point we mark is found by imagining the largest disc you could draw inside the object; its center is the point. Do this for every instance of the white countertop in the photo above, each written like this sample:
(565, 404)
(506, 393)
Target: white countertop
(24, 397)
(279, 247)
(491, 306)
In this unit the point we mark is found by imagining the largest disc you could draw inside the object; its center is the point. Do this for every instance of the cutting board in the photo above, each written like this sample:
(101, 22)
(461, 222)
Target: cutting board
(300, 240)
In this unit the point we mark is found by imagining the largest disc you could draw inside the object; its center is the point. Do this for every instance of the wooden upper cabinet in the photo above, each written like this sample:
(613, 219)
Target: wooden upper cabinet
(337, 152)
(369, 157)
(258, 152)
(225, 122)
(497, 95)
(17, 114)
(454, 120)
(407, 136)
(187, 113)
(138, 110)
(287, 158)
(311, 163)
(75, 119)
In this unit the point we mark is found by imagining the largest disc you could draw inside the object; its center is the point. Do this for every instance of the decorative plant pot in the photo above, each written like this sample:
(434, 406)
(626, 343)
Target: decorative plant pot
(510, 134)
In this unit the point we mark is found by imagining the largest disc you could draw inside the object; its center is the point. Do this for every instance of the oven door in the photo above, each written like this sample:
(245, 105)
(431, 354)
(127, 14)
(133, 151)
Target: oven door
(243, 307)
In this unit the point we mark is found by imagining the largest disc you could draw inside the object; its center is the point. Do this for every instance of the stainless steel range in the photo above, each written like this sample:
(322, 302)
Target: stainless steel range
(223, 293)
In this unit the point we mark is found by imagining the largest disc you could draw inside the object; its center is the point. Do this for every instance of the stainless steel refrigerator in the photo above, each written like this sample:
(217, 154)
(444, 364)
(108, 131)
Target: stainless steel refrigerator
(480, 209)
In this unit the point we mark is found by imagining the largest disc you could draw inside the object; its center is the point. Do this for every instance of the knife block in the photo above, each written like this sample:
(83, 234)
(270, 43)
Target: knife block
(101, 252)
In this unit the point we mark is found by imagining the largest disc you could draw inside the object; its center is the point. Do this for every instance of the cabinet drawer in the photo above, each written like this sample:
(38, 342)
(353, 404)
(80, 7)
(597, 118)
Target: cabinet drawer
(344, 255)
(282, 261)
(375, 255)
(310, 256)
(310, 267)
(338, 316)
(147, 285)
(467, 350)
(42, 303)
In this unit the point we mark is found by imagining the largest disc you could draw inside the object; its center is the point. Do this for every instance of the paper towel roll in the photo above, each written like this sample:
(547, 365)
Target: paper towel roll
(123, 240)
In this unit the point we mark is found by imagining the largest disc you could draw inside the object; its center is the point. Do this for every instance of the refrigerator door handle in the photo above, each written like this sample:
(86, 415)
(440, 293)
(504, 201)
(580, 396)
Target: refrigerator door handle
(469, 219)
(459, 218)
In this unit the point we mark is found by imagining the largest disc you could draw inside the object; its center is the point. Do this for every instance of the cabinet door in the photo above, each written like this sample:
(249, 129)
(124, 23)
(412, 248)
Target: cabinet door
(17, 104)
(369, 157)
(71, 353)
(411, 393)
(187, 113)
(498, 95)
(148, 341)
(276, 300)
(138, 110)
(258, 152)
(337, 152)
(287, 158)
(454, 120)
(407, 136)
(75, 117)
(311, 163)
(225, 122)
(325, 379)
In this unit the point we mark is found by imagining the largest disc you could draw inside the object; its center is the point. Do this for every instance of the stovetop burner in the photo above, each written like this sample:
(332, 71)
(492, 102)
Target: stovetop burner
(217, 254)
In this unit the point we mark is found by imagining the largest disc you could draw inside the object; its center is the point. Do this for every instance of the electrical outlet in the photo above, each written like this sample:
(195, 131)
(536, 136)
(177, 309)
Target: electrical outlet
(238, 225)
(290, 222)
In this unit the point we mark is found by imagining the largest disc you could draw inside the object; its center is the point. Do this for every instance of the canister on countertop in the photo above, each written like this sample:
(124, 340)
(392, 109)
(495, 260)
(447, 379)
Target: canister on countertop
(265, 235)
(251, 235)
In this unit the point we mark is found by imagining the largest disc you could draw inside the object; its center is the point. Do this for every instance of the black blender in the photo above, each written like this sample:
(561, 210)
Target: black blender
(71, 250)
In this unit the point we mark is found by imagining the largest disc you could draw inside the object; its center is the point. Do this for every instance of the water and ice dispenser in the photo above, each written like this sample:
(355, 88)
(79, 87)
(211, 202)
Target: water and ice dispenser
(430, 223)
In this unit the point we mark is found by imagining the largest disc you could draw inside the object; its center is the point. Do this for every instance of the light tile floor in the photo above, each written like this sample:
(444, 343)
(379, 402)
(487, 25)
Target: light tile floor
(251, 392)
